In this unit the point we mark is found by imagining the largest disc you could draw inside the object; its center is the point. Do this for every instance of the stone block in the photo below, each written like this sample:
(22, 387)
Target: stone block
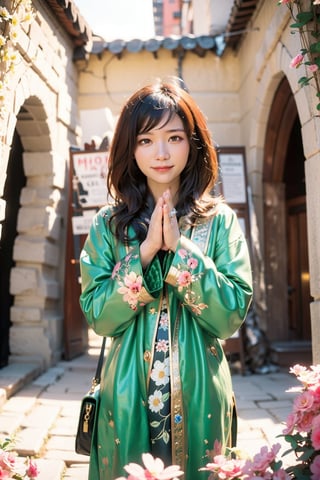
(28, 196)
(30, 340)
(38, 163)
(35, 250)
(51, 469)
(30, 441)
(41, 416)
(39, 221)
(25, 315)
(22, 280)
(10, 422)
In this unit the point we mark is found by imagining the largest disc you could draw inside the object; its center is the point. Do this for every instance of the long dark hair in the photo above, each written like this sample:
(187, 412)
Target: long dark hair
(127, 185)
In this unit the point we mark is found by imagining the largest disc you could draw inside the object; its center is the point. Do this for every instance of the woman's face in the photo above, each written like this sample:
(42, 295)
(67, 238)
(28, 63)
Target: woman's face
(162, 154)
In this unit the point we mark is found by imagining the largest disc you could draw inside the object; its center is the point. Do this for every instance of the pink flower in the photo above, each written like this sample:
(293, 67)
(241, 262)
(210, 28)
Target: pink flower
(7, 460)
(262, 460)
(182, 253)
(316, 2)
(32, 469)
(290, 423)
(192, 263)
(162, 346)
(313, 67)
(296, 61)
(297, 369)
(304, 402)
(131, 288)
(154, 469)
(304, 422)
(315, 468)
(4, 474)
(281, 475)
(225, 468)
(184, 279)
(315, 435)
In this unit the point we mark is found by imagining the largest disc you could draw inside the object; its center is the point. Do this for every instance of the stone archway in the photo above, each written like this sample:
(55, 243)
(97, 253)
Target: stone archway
(36, 314)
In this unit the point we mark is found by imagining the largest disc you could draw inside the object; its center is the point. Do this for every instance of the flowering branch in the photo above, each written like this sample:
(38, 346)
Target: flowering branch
(306, 22)
(20, 12)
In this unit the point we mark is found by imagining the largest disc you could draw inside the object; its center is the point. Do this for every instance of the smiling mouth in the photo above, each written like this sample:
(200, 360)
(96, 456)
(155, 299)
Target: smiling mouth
(162, 169)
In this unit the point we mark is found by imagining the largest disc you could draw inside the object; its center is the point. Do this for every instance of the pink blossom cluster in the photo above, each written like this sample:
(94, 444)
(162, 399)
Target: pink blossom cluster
(303, 423)
(9, 468)
(264, 465)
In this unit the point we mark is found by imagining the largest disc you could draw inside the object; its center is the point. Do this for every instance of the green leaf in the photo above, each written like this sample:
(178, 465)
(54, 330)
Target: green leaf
(276, 465)
(166, 437)
(296, 25)
(307, 454)
(318, 107)
(155, 424)
(303, 81)
(305, 17)
(315, 47)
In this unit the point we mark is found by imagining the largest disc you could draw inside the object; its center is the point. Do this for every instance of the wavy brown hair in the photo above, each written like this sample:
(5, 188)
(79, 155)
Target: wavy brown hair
(127, 185)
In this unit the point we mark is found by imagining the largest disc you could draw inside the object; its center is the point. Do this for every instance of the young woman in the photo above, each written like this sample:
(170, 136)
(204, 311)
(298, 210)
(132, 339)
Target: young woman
(166, 274)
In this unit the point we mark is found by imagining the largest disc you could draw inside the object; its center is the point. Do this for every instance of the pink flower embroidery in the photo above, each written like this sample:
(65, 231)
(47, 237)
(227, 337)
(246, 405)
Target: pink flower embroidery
(162, 346)
(184, 279)
(182, 253)
(131, 288)
(192, 263)
(116, 269)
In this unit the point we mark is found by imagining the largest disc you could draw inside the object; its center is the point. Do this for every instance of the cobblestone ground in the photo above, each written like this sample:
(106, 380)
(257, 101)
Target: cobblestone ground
(42, 411)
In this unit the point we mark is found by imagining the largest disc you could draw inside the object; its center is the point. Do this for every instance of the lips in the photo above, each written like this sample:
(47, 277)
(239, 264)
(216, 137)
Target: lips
(162, 169)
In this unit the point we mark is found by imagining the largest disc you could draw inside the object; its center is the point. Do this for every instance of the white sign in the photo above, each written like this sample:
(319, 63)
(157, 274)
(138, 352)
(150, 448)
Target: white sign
(233, 177)
(81, 224)
(89, 179)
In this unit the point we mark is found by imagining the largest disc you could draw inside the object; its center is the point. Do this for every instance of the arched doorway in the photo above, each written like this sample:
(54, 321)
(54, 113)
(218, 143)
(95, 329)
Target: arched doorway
(286, 254)
(15, 181)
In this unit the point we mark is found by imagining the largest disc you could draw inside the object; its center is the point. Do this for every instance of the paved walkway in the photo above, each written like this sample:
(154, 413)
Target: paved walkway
(42, 411)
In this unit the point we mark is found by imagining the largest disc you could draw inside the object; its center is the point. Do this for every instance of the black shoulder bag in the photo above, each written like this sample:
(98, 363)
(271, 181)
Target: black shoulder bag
(89, 410)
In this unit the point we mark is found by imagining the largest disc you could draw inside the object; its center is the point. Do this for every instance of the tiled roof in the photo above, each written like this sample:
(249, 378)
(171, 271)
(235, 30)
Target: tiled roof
(71, 20)
(199, 45)
(81, 34)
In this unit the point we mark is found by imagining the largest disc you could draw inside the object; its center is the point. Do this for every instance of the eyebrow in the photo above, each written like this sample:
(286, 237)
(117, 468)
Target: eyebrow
(170, 130)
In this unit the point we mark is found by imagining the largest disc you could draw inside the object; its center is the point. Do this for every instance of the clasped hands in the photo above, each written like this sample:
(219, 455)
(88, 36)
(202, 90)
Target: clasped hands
(163, 232)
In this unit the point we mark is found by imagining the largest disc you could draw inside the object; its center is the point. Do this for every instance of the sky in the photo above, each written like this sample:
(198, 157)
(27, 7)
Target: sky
(118, 19)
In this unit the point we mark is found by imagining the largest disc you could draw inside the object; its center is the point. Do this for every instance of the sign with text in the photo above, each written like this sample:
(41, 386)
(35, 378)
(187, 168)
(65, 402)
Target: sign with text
(89, 178)
(233, 177)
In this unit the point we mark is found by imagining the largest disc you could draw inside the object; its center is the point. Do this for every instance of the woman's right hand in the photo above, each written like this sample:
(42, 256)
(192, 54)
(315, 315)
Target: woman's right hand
(154, 239)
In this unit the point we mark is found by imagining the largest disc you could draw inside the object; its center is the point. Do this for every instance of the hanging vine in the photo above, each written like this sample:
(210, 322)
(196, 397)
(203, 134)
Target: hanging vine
(306, 17)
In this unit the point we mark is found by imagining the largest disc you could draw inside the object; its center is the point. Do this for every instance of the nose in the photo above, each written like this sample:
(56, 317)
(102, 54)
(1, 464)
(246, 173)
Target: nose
(162, 151)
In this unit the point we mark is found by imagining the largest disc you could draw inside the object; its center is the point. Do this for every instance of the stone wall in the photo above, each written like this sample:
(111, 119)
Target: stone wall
(43, 110)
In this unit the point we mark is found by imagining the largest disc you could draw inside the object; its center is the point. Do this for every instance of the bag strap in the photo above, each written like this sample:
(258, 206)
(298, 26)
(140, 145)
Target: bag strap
(96, 379)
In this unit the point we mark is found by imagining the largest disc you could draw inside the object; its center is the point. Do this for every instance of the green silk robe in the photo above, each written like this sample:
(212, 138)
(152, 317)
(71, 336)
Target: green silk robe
(208, 287)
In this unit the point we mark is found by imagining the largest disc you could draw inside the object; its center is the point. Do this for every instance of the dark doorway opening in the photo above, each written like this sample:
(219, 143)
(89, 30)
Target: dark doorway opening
(15, 181)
